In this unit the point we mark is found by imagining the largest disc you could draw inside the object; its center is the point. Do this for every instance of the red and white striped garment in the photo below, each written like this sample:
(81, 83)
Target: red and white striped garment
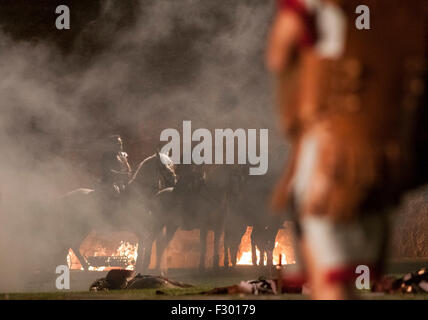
(306, 9)
(325, 25)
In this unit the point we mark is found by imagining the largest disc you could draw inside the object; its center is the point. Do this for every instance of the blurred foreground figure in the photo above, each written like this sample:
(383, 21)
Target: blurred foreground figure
(352, 103)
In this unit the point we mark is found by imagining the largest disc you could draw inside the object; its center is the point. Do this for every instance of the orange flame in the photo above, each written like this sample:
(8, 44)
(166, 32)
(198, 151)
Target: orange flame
(125, 249)
(280, 251)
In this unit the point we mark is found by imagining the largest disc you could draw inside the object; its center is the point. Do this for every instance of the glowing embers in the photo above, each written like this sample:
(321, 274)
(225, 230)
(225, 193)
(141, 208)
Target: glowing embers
(283, 252)
(106, 252)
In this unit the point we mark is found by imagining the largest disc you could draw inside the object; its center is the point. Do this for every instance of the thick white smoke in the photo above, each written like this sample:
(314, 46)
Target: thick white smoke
(179, 60)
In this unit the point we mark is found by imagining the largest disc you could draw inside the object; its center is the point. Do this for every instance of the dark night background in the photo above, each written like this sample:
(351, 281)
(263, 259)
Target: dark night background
(159, 66)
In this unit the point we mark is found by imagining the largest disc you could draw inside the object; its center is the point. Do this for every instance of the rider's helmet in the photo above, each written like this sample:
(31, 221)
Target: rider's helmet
(112, 143)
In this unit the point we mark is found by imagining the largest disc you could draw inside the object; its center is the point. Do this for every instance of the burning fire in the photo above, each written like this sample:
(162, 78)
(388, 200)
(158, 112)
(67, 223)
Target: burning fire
(125, 249)
(246, 258)
(125, 255)
(281, 252)
(111, 250)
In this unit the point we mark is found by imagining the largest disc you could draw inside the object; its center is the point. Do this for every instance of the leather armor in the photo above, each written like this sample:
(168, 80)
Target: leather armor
(363, 108)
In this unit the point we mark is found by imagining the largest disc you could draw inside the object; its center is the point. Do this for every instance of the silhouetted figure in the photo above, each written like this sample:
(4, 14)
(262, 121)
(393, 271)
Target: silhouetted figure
(115, 174)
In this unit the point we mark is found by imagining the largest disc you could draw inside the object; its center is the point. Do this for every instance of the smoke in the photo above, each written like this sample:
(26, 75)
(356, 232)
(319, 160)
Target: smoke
(133, 68)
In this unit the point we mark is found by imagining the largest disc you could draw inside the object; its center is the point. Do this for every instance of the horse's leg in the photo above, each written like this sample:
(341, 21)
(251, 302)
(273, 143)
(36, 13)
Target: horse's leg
(229, 250)
(160, 248)
(263, 256)
(269, 254)
(144, 252)
(145, 246)
(228, 256)
(216, 258)
(236, 242)
(234, 246)
(234, 253)
(148, 246)
(162, 243)
(270, 246)
(139, 264)
(253, 249)
(226, 251)
(203, 248)
(228, 246)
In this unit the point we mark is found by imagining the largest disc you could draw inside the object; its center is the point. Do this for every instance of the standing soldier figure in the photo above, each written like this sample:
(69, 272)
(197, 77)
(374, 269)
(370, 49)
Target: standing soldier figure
(350, 102)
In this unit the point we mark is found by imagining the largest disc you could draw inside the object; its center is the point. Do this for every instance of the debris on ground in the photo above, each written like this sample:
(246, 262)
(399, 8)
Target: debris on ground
(127, 279)
(260, 287)
(415, 282)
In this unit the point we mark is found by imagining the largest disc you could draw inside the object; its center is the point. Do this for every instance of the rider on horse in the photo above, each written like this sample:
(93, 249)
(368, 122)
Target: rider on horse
(115, 174)
(114, 164)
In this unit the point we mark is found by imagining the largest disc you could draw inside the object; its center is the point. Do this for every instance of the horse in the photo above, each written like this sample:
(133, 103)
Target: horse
(198, 201)
(153, 174)
(221, 199)
(82, 210)
(249, 208)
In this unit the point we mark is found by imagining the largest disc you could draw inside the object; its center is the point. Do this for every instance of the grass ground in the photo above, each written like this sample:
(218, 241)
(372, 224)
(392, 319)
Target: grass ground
(179, 294)
(201, 283)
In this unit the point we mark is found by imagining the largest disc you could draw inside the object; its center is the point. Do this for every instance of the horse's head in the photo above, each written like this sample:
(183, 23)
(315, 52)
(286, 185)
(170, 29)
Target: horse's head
(166, 171)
